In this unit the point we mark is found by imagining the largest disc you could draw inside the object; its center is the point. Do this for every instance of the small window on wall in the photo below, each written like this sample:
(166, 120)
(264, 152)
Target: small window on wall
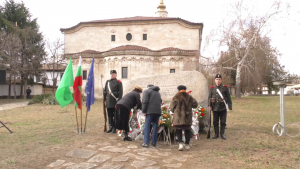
(113, 38)
(144, 36)
(84, 75)
(172, 70)
(124, 73)
(38, 79)
(129, 36)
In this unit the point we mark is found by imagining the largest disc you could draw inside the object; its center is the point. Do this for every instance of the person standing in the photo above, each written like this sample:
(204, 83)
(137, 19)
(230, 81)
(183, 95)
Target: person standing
(113, 92)
(124, 106)
(151, 104)
(28, 91)
(217, 95)
(181, 105)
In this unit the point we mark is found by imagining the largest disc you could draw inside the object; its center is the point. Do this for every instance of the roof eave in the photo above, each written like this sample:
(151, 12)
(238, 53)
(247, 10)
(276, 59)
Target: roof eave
(138, 20)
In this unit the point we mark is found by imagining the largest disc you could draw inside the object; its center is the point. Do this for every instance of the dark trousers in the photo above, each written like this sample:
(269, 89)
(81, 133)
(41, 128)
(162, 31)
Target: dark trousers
(122, 118)
(28, 96)
(151, 118)
(111, 116)
(186, 134)
(219, 116)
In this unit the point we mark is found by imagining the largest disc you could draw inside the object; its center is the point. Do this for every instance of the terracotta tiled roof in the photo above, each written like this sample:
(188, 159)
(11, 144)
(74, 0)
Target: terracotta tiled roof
(129, 19)
(130, 47)
(90, 51)
(175, 49)
(133, 48)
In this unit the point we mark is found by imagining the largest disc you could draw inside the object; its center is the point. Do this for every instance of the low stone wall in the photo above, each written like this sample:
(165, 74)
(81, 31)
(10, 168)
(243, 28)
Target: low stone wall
(193, 80)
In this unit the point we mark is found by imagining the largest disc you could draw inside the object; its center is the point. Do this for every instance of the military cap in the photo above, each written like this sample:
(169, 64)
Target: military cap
(113, 71)
(181, 87)
(218, 76)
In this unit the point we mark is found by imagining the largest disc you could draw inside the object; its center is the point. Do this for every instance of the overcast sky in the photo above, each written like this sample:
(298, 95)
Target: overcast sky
(55, 14)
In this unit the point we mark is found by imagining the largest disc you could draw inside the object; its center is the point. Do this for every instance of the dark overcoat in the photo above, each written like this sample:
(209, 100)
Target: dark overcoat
(130, 100)
(152, 101)
(219, 105)
(116, 88)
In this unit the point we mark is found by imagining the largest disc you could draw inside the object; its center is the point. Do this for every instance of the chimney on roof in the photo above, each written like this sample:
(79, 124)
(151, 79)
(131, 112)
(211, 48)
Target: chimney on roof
(161, 12)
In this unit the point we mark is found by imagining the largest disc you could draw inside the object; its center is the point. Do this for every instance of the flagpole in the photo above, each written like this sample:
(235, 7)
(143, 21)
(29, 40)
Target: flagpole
(76, 120)
(81, 110)
(85, 119)
(76, 117)
(89, 91)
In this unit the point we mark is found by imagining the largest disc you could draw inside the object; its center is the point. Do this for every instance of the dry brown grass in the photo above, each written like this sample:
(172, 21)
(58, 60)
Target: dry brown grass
(43, 134)
(7, 101)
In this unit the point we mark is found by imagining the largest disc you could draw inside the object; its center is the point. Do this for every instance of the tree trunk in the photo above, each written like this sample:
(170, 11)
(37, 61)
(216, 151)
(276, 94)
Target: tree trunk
(15, 93)
(25, 87)
(9, 87)
(238, 81)
(54, 84)
(21, 90)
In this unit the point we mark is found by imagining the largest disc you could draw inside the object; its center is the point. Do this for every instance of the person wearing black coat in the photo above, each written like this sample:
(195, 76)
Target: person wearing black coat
(152, 110)
(28, 91)
(218, 106)
(123, 108)
(113, 91)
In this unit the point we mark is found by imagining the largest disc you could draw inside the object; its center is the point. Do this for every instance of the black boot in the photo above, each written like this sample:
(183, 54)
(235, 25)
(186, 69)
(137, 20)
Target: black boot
(110, 129)
(223, 132)
(216, 128)
(110, 122)
(113, 130)
(126, 137)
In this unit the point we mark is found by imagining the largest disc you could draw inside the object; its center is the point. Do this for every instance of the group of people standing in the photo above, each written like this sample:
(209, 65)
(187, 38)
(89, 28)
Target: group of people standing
(118, 109)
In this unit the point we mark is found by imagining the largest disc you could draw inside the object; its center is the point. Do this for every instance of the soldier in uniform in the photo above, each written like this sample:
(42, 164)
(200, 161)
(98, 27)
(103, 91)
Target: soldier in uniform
(113, 92)
(218, 107)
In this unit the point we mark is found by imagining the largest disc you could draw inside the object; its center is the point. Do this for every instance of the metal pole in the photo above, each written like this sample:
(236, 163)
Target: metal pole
(282, 121)
(279, 128)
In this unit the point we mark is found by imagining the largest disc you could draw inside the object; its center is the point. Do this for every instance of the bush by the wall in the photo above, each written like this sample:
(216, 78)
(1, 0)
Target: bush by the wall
(48, 99)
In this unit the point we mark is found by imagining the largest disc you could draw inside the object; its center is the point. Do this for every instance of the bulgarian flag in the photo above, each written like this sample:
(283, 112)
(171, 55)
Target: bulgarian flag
(63, 93)
(77, 86)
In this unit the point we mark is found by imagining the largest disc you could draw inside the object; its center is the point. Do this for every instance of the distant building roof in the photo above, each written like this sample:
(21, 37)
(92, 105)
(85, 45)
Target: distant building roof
(132, 48)
(55, 66)
(135, 19)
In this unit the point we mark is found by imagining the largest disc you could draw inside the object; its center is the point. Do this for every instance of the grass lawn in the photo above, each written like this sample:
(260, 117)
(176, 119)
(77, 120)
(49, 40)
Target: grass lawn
(8, 101)
(45, 133)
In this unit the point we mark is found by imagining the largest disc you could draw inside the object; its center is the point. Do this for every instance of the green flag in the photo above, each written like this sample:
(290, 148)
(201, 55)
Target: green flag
(63, 93)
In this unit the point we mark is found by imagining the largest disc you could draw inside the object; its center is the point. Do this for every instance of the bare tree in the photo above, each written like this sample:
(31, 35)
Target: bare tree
(241, 36)
(55, 59)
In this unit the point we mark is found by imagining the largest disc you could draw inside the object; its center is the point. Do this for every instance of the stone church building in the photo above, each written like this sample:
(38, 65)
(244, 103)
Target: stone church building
(135, 47)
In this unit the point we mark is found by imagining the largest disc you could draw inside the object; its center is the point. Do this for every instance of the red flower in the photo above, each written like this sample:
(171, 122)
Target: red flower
(202, 109)
(202, 114)
(196, 112)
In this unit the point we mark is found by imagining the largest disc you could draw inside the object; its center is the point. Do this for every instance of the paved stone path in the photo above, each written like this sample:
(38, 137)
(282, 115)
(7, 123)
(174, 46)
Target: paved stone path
(4, 107)
(116, 154)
